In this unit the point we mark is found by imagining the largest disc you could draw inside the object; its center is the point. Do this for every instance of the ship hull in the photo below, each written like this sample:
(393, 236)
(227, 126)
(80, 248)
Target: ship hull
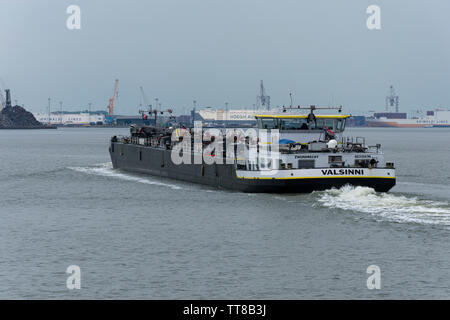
(157, 162)
(402, 123)
(394, 124)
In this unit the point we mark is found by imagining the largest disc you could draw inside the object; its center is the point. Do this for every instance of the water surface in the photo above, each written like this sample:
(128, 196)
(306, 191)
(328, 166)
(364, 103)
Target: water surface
(142, 237)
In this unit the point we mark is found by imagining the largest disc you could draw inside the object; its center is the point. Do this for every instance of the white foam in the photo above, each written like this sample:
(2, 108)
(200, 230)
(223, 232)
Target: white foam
(387, 206)
(106, 170)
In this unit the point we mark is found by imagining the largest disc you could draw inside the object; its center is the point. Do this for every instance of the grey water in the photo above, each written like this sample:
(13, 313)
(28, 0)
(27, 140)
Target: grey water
(142, 237)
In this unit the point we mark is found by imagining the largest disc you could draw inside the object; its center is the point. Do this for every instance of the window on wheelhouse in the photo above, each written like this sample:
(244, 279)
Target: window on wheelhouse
(267, 123)
(294, 124)
(337, 125)
(288, 124)
(340, 126)
(318, 124)
(329, 123)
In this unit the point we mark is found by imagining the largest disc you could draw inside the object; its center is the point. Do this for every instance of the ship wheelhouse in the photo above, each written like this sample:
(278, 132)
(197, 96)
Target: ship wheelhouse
(313, 142)
(302, 128)
(302, 122)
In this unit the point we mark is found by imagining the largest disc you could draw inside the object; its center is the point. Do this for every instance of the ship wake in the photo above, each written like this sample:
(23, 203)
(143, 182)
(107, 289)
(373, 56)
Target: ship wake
(106, 170)
(387, 206)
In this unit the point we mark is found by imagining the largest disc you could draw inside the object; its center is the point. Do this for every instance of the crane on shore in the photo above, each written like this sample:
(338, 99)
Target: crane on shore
(112, 100)
(392, 99)
(263, 100)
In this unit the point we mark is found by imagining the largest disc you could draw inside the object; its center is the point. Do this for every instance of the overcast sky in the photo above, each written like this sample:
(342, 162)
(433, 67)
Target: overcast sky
(217, 51)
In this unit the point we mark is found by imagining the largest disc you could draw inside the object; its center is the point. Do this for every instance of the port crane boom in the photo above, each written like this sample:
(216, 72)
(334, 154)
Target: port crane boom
(113, 99)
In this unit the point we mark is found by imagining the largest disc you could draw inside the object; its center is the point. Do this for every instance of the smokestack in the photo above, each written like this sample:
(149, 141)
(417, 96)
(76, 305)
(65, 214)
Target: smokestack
(8, 98)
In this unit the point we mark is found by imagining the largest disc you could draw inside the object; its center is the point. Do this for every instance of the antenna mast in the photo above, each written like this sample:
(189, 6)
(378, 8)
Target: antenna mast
(49, 111)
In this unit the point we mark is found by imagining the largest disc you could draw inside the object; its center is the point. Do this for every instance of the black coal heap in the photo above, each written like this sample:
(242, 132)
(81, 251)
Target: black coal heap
(17, 117)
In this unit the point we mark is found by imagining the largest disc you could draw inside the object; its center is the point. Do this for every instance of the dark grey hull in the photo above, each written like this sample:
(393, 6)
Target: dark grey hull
(157, 162)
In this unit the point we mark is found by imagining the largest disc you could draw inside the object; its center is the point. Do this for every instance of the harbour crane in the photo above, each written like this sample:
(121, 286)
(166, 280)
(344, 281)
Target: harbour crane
(263, 100)
(113, 99)
(392, 99)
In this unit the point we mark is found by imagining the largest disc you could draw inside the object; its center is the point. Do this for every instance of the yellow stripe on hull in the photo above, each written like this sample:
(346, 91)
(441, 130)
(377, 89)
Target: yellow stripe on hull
(325, 177)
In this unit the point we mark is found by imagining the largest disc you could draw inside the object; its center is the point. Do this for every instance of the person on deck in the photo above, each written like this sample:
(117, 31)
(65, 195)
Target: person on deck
(310, 119)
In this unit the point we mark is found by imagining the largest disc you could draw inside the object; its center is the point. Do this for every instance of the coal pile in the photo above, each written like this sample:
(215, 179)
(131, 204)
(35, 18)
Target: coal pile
(18, 118)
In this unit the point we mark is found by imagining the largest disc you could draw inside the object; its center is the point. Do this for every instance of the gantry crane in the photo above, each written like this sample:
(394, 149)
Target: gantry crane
(392, 99)
(263, 100)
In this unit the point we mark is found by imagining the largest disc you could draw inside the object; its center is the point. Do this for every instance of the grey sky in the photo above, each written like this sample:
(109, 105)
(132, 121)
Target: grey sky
(217, 51)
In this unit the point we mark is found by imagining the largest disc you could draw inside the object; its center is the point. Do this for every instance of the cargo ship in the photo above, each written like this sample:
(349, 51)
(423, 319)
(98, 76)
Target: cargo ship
(433, 118)
(287, 151)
